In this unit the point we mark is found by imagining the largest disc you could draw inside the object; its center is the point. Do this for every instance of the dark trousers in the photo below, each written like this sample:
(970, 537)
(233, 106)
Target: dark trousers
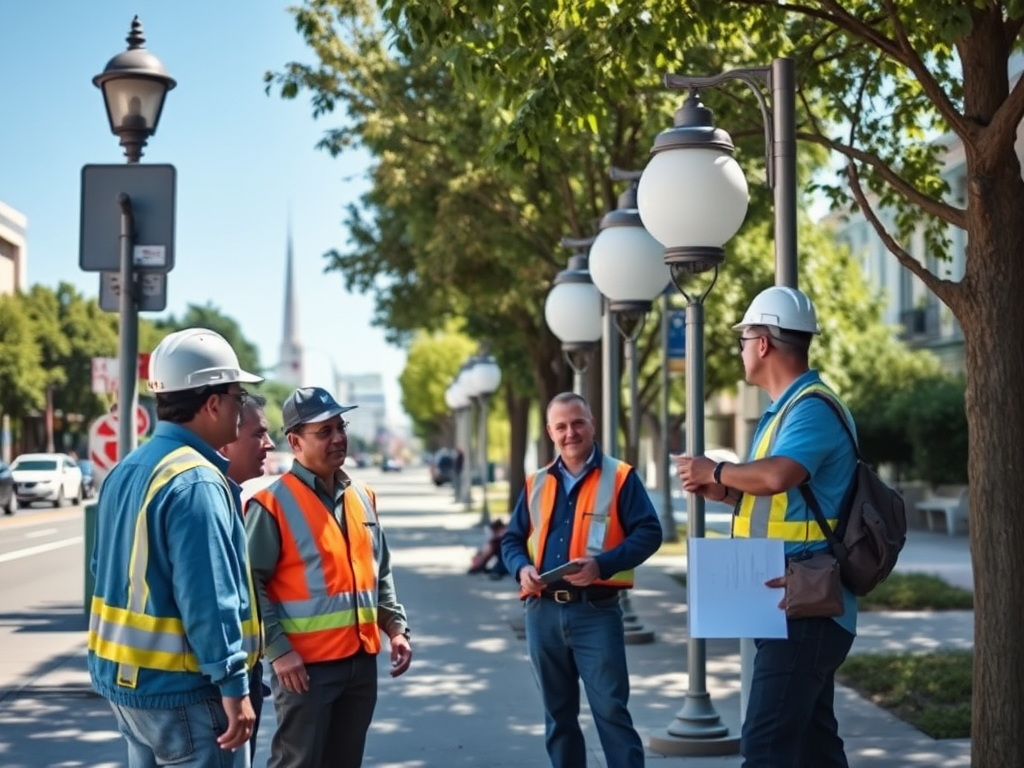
(790, 718)
(326, 726)
(256, 693)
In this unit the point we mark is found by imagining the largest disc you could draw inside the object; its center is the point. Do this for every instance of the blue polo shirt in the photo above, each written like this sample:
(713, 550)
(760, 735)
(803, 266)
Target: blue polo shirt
(636, 513)
(812, 435)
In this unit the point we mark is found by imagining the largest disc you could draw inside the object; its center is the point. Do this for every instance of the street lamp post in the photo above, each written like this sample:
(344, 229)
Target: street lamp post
(626, 265)
(456, 403)
(465, 393)
(694, 222)
(573, 311)
(485, 376)
(134, 84)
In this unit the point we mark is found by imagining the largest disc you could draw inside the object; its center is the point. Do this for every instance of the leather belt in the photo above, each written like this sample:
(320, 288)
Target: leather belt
(590, 595)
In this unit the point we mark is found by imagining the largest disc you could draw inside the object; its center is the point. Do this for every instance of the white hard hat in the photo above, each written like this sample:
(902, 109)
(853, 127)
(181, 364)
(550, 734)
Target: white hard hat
(785, 308)
(194, 358)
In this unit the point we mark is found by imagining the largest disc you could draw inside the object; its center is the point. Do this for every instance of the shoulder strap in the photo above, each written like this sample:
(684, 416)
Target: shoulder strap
(838, 549)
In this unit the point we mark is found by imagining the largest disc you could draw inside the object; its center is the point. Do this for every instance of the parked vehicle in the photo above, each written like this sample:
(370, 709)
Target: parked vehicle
(8, 498)
(391, 464)
(442, 467)
(89, 488)
(51, 477)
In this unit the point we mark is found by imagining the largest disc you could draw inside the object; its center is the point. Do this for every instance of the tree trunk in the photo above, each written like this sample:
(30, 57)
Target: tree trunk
(990, 314)
(987, 303)
(518, 409)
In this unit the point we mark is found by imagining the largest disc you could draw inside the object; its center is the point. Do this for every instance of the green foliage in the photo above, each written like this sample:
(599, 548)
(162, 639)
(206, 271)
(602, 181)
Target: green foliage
(917, 592)
(936, 424)
(431, 366)
(22, 378)
(210, 316)
(931, 692)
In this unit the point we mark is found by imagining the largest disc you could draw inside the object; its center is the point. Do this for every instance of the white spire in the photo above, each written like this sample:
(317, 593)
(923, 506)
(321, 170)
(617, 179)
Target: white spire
(290, 369)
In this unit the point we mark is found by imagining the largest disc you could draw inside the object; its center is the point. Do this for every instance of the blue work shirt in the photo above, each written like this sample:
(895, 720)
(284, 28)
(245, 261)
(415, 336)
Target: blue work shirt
(812, 436)
(636, 514)
(197, 570)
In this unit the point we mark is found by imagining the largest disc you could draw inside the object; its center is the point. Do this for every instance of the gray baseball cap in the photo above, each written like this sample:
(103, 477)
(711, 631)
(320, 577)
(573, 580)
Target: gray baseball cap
(310, 405)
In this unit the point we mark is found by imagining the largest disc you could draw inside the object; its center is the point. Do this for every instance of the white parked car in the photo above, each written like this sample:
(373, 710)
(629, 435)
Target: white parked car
(51, 477)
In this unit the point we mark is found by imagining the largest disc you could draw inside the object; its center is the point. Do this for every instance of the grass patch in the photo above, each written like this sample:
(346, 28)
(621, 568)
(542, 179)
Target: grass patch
(932, 691)
(916, 592)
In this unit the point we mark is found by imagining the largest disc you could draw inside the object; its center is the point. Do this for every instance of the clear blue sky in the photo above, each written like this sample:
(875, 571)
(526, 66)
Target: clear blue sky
(243, 158)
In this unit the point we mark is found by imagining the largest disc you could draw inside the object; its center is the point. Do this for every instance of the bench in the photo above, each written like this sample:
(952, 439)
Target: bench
(954, 510)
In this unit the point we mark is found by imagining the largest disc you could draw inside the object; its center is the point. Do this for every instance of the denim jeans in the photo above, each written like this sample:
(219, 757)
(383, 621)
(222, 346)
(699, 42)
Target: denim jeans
(582, 641)
(182, 736)
(790, 718)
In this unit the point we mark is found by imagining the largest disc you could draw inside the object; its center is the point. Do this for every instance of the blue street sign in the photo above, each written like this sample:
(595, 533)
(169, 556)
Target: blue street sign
(677, 341)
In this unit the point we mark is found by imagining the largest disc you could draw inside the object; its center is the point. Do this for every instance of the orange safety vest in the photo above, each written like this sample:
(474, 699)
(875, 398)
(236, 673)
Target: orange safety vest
(596, 528)
(324, 588)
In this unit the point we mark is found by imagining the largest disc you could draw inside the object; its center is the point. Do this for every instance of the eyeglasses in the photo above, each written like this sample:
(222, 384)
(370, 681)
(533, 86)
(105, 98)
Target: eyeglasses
(326, 433)
(239, 396)
(742, 339)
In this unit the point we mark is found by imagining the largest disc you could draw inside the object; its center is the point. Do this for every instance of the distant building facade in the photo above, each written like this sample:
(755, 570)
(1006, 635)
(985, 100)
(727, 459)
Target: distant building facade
(13, 250)
(369, 422)
(924, 321)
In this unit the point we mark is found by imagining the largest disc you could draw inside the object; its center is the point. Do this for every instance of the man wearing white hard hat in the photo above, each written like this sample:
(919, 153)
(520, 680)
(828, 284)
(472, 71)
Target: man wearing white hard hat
(173, 629)
(800, 440)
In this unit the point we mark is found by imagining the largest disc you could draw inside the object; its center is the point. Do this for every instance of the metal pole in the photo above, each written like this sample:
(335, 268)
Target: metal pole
(128, 346)
(579, 385)
(633, 447)
(485, 514)
(457, 442)
(668, 520)
(783, 83)
(467, 465)
(610, 384)
(697, 729)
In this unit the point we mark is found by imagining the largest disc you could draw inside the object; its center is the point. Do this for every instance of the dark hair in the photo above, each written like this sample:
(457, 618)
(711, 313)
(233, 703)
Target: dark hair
(793, 343)
(251, 403)
(568, 397)
(182, 407)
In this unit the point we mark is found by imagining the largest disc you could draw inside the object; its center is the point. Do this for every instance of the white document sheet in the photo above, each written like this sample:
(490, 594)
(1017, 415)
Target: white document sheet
(727, 595)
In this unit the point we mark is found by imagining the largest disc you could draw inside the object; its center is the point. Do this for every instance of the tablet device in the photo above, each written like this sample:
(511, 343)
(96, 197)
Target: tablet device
(563, 570)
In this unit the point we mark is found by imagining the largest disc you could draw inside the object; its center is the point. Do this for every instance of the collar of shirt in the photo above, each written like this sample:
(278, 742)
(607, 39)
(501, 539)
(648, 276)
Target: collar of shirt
(180, 434)
(341, 482)
(568, 478)
(801, 381)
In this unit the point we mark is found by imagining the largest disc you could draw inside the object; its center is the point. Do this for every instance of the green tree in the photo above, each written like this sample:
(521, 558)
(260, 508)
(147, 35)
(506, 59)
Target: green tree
(210, 316)
(22, 378)
(431, 365)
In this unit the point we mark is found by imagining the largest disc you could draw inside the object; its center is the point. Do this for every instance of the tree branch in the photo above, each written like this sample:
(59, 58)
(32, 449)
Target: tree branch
(1003, 128)
(900, 50)
(948, 213)
(941, 288)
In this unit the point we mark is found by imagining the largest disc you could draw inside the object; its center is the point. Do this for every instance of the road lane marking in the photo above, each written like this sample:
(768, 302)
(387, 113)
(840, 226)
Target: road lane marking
(20, 553)
(40, 534)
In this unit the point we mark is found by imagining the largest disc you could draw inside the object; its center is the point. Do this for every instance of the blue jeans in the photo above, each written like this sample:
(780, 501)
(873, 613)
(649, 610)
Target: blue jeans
(582, 641)
(182, 736)
(790, 719)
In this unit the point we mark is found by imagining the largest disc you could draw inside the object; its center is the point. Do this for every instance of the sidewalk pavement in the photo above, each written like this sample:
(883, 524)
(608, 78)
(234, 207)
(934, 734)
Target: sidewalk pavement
(470, 699)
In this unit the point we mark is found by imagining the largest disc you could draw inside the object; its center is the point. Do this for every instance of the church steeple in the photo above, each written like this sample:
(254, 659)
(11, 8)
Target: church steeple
(290, 370)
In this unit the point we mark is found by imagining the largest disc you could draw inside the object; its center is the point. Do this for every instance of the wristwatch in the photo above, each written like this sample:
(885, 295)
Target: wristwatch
(717, 474)
(406, 633)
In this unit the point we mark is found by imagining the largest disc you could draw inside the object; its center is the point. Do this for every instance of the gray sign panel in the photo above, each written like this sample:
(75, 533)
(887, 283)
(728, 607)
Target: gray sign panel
(152, 287)
(152, 192)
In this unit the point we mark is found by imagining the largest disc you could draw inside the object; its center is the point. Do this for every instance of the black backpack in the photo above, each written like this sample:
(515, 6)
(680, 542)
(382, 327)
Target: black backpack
(872, 527)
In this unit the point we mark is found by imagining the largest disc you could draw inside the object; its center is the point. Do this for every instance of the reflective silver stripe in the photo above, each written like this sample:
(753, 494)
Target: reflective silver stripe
(316, 606)
(137, 638)
(598, 531)
(371, 520)
(536, 493)
(316, 581)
